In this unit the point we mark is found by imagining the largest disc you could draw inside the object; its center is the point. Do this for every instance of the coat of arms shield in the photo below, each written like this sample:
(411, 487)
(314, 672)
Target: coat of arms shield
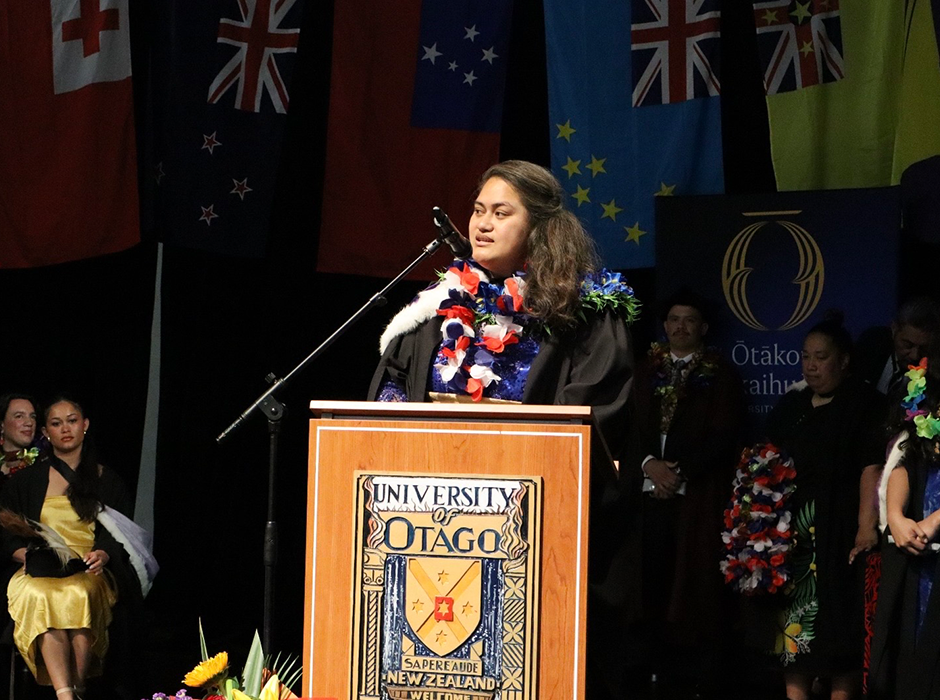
(442, 600)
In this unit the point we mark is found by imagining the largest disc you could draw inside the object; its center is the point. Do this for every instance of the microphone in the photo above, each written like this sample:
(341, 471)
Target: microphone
(451, 236)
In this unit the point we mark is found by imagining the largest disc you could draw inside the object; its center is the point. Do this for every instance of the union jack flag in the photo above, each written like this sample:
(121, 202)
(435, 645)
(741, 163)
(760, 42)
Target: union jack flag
(674, 48)
(258, 37)
(800, 43)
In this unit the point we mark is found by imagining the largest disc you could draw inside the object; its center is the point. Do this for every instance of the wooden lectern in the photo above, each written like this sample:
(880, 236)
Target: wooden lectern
(421, 519)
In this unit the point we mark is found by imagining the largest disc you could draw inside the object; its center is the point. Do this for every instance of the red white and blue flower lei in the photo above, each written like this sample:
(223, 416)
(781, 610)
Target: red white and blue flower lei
(481, 319)
(758, 536)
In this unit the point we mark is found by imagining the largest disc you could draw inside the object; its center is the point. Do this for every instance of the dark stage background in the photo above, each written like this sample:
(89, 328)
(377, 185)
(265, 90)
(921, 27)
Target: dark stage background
(227, 322)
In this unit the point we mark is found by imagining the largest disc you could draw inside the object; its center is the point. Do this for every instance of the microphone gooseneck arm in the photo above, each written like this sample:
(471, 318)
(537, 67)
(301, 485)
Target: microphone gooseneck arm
(450, 235)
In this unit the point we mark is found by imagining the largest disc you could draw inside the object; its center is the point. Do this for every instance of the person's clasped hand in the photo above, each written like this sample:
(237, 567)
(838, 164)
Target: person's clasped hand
(96, 560)
(908, 535)
(664, 477)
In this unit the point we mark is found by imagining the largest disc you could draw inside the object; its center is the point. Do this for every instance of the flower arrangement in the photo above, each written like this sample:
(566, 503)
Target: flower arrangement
(482, 319)
(261, 678)
(22, 459)
(758, 536)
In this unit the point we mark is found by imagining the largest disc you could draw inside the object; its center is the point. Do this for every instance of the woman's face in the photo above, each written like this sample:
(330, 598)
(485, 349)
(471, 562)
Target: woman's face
(19, 425)
(823, 365)
(499, 228)
(65, 427)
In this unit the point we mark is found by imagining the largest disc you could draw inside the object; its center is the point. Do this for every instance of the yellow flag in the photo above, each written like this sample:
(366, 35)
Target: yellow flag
(918, 132)
(842, 134)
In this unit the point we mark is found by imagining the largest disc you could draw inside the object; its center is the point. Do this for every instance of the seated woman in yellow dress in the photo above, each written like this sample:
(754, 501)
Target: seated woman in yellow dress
(61, 622)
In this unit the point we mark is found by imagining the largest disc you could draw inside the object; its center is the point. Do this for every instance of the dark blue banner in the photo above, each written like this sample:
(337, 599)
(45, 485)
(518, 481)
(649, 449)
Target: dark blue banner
(772, 265)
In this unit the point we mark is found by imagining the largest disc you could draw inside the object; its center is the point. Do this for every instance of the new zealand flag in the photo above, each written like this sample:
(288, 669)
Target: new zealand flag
(222, 73)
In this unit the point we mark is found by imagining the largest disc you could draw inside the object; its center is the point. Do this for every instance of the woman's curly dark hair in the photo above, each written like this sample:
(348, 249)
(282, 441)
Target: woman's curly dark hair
(559, 251)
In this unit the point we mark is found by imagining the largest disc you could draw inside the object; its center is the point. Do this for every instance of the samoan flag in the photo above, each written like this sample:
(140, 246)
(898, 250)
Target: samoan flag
(416, 98)
(460, 67)
(221, 90)
(800, 43)
(634, 103)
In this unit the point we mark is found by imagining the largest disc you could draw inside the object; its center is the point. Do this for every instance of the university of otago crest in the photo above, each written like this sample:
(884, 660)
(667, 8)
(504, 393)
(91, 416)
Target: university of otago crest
(447, 580)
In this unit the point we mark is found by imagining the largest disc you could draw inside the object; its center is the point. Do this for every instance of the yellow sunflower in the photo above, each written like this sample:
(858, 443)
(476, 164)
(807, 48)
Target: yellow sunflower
(210, 672)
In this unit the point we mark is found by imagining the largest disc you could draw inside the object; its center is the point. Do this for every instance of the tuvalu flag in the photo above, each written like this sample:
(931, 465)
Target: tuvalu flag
(68, 166)
(416, 101)
(634, 102)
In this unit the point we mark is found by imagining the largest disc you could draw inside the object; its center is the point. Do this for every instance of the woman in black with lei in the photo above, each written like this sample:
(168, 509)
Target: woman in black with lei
(905, 660)
(831, 430)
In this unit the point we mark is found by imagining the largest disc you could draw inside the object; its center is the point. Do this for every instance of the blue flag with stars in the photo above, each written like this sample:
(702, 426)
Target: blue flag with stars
(635, 113)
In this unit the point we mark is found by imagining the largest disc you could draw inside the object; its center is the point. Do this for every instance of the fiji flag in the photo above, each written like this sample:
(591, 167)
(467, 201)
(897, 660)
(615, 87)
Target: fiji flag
(416, 100)
(633, 100)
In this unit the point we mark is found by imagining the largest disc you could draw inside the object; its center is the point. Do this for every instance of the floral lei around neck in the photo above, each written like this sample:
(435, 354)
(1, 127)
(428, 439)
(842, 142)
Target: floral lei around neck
(927, 424)
(701, 371)
(481, 319)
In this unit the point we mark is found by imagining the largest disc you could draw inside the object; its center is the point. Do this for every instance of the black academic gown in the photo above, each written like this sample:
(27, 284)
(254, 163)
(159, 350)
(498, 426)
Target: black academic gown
(676, 546)
(830, 446)
(592, 366)
(903, 666)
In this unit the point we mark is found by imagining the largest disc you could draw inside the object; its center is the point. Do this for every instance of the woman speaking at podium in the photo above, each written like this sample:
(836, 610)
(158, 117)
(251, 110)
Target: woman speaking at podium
(528, 318)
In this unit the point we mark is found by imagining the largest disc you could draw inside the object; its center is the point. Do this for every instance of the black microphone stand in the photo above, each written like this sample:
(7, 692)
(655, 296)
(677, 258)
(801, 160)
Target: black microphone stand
(274, 411)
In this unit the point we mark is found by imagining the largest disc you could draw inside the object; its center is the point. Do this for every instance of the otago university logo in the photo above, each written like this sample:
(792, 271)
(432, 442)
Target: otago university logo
(446, 577)
(810, 275)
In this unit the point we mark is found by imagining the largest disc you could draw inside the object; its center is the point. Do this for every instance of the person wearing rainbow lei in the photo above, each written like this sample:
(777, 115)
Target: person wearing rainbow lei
(528, 319)
(906, 645)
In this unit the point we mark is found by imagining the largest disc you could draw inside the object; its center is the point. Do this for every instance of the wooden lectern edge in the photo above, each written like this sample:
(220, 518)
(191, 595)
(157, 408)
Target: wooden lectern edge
(379, 410)
(464, 412)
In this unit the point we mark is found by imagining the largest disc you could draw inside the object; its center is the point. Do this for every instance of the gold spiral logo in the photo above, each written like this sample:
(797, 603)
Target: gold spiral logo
(810, 276)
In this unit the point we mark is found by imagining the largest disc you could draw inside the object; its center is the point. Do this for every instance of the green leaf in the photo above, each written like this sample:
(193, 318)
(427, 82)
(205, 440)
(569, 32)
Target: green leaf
(806, 592)
(227, 688)
(288, 670)
(202, 643)
(253, 667)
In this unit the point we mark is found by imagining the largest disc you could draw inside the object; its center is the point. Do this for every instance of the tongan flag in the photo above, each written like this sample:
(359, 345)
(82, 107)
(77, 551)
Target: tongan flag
(222, 72)
(68, 165)
(415, 111)
(635, 113)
